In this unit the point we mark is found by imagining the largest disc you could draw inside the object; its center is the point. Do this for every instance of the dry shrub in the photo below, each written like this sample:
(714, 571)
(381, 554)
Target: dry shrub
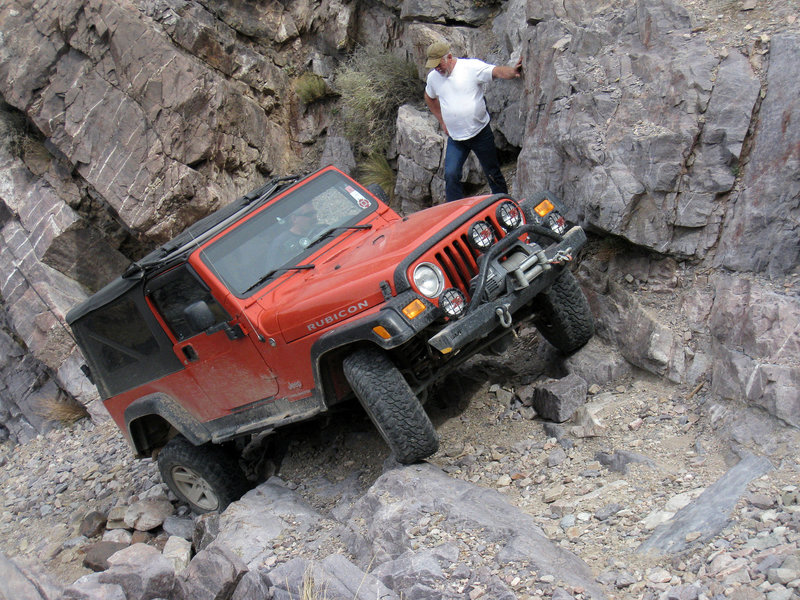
(376, 170)
(61, 410)
(373, 83)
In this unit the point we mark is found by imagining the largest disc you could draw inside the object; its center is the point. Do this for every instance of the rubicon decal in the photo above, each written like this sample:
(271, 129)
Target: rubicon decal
(338, 315)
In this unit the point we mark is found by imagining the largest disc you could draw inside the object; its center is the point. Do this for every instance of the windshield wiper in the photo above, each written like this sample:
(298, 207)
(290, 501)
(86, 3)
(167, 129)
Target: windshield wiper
(328, 232)
(269, 274)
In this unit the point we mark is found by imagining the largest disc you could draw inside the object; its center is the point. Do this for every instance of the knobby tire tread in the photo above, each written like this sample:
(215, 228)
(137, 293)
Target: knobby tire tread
(391, 404)
(565, 319)
(220, 469)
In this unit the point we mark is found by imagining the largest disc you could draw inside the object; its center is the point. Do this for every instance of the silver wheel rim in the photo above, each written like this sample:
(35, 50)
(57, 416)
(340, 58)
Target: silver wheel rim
(194, 488)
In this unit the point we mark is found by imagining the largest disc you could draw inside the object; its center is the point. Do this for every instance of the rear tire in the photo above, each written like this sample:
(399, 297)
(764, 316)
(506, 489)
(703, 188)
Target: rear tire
(564, 317)
(205, 477)
(391, 404)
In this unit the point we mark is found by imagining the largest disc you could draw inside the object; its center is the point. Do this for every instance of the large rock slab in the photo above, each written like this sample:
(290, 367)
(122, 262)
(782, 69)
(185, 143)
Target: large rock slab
(616, 99)
(755, 341)
(29, 582)
(761, 233)
(709, 513)
(332, 577)
(382, 519)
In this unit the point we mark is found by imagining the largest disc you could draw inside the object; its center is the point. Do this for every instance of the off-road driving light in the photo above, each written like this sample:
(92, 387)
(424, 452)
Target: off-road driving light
(557, 223)
(481, 236)
(509, 215)
(429, 280)
(453, 302)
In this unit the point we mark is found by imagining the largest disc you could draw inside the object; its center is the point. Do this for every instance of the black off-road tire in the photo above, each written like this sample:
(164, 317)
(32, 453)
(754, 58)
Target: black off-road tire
(206, 477)
(564, 317)
(391, 404)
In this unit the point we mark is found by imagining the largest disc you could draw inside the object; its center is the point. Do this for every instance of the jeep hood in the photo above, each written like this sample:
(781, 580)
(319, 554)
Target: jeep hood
(348, 273)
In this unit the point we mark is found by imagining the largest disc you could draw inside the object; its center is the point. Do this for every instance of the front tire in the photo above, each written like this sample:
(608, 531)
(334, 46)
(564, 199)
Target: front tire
(205, 477)
(391, 404)
(564, 317)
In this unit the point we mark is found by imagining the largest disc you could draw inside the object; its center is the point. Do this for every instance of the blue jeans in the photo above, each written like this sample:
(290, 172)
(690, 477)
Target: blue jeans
(482, 144)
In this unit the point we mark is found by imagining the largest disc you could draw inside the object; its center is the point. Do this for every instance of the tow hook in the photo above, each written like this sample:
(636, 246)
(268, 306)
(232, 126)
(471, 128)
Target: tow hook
(503, 315)
(561, 257)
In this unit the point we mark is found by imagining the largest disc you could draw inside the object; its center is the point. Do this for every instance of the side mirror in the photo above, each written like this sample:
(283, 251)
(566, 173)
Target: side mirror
(199, 316)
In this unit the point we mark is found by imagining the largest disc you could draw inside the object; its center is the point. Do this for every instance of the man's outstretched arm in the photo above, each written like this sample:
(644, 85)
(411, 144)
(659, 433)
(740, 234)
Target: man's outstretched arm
(504, 72)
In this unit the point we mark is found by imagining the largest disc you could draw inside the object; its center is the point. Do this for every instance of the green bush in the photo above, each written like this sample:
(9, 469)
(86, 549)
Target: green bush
(373, 83)
(310, 87)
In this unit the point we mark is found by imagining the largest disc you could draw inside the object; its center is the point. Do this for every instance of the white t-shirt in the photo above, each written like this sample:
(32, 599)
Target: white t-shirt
(461, 96)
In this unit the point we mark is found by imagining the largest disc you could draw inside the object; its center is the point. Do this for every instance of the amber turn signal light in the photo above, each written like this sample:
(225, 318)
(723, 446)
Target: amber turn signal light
(544, 208)
(414, 309)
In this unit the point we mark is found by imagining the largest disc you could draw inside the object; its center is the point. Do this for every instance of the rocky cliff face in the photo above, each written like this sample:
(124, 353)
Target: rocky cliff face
(124, 121)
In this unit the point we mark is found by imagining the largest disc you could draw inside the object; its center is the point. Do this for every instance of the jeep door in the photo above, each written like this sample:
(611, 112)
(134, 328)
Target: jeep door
(223, 361)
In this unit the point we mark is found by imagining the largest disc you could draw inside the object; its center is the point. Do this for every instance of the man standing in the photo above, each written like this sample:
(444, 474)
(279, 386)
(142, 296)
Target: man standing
(454, 94)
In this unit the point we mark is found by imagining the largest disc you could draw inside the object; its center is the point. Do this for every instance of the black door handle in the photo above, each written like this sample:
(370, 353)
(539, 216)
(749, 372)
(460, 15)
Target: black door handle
(190, 353)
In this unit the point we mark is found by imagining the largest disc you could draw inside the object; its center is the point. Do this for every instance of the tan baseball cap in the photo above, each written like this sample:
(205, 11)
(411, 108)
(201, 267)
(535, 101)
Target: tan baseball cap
(436, 51)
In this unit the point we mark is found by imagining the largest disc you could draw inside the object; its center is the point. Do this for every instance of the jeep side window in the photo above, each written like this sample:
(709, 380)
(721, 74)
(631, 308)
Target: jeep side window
(124, 345)
(173, 291)
(119, 336)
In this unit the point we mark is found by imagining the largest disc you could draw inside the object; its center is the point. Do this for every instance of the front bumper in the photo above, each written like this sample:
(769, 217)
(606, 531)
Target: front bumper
(530, 278)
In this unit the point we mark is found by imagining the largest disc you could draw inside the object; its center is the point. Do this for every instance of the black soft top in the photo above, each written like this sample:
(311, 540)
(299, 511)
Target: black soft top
(176, 249)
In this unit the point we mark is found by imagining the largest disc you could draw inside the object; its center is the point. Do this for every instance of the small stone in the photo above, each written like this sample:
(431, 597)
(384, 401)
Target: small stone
(693, 536)
(659, 575)
(609, 510)
(553, 493)
(503, 481)
(116, 518)
(93, 524)
(148, 514)
(97, 555)
(556, 457)
(179, 551)
(624, 580)
(121, 536)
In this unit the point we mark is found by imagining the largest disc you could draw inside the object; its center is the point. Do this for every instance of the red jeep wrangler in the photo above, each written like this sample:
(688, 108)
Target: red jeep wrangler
(304, 293)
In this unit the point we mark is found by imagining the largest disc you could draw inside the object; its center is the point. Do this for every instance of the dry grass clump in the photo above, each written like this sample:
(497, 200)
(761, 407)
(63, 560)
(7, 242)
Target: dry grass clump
(373, 83)
(377, 170)
(61, 410)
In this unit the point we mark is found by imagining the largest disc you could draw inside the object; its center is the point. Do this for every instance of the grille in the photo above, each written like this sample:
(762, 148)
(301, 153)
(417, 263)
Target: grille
(458, 260)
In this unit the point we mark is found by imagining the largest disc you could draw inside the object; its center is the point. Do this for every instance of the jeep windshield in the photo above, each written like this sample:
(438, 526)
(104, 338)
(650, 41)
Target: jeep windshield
(280, 235)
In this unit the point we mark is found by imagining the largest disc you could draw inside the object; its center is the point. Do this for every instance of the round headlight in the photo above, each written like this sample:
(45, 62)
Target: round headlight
(428, 279)
(481, 236)
(509, 215)
(453, 302)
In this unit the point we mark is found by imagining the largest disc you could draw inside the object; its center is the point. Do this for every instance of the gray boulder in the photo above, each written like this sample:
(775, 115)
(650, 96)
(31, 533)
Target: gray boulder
(213, 574)
(761, 235)
(25, 581)
(380, 522)
(558, 399)
(332, 577)
(140, 570)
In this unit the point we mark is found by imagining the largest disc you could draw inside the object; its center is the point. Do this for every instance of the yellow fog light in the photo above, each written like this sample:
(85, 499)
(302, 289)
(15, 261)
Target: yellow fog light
(544, 208)
(414, 309)
(381, 332)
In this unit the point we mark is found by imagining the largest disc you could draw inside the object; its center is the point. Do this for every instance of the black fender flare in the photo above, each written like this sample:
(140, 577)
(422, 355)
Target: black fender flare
(170, 410)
